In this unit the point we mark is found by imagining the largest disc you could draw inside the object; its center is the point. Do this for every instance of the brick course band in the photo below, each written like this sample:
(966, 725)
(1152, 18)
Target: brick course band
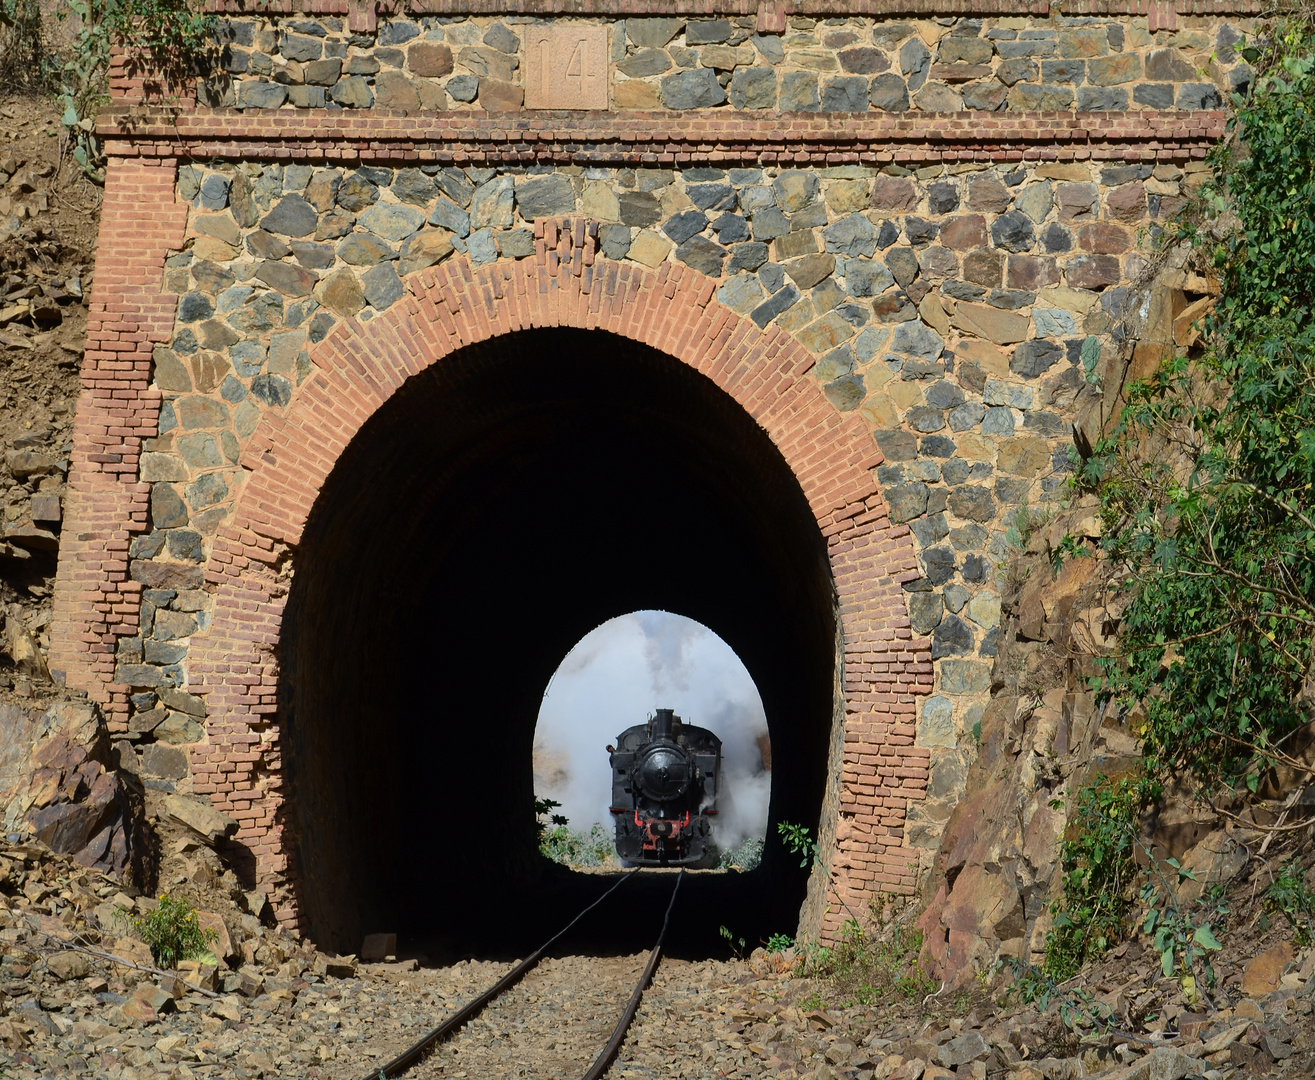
(657, 138)
(360, 365)
(818, 8)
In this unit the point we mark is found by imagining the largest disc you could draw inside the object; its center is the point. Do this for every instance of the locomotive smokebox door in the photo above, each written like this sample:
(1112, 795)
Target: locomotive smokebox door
(666, 775)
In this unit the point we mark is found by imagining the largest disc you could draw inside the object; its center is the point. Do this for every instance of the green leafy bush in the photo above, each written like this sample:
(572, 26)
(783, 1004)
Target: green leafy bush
(573, 847)
(171, 39)
(173, 933)
(744, 856)
(1100, 874)
(1181, 940)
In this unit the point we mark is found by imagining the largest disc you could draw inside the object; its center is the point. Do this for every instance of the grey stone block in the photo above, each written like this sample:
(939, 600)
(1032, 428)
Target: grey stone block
(889, 93)
(644, 63)
(853, 235)
(695, 89)
(684, 225)
(291, 216)
(707, 32)
(259, 94)
(352, 92)
(652, 33)
(753, 88)
(952, 637)
(703, 255)
(799, 92)
(780, 300)
(847, 392)
(905, 501)
(1013, 231)
(966, 416)
(846, 94)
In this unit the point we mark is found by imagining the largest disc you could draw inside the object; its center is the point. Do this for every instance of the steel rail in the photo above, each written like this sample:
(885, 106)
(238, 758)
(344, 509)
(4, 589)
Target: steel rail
(613, 1047)
(414, 1052)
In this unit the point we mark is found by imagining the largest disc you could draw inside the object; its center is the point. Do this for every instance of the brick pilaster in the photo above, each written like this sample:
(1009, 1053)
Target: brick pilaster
(96, 603)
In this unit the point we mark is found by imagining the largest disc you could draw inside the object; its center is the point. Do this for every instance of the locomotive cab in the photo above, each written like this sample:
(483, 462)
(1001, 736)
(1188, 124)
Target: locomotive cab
(665, 780)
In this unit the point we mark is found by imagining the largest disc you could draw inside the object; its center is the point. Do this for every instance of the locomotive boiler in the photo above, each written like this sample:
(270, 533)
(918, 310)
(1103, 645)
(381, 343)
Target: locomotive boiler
(665, 778)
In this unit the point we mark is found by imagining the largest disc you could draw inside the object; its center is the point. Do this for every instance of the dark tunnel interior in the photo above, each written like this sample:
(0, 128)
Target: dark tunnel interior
(501, 505)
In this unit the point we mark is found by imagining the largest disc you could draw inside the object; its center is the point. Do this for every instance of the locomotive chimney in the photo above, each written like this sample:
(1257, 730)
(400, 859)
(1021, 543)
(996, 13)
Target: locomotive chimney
(662, 723)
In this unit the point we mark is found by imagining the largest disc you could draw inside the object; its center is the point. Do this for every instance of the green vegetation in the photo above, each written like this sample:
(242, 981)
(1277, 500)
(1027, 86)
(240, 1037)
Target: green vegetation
(174, 34)
(871, 964)
(571, 847)
(1100, 874)
(546, 806)
(574, 847)
(1207, 489)
(737, 945)
(744, 856)
(1290, 896)
(1095, 908)
(798, 841)
(1110, 874)
(1207, 485)
(173, 933)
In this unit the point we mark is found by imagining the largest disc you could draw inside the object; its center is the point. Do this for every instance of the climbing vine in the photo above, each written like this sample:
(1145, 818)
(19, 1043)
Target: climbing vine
(1206, 488)
(1206, 482)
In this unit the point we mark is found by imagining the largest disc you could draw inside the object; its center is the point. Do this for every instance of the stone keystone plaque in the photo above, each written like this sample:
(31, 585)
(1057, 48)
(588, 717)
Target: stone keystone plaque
(566, 67)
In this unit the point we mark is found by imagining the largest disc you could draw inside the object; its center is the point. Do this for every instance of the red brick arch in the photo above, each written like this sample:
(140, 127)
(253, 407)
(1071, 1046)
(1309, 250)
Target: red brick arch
(356, 369)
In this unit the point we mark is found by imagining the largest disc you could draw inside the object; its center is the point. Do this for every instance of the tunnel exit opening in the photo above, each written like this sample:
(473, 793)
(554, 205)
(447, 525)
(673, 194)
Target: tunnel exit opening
(499, 506)
(616, 677)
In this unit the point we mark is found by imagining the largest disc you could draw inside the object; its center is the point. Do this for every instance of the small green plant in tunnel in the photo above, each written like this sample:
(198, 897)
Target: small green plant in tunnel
(574, 847)
(799, 841)
(542, 807)
(737, 945)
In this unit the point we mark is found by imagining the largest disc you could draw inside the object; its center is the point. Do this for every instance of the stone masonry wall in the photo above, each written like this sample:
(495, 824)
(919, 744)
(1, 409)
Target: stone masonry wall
(962, 312)
(953, 283)
(831, 65)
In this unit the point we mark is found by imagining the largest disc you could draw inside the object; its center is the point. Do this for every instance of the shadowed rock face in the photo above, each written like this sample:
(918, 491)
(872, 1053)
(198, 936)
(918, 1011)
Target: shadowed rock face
(57, 785)
(475, 530)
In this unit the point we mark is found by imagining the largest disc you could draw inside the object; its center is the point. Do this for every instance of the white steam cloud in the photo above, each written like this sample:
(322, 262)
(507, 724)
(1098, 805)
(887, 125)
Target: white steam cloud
(614, 678)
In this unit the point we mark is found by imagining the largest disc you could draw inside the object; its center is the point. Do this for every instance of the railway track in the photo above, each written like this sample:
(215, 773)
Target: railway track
(453, 1047)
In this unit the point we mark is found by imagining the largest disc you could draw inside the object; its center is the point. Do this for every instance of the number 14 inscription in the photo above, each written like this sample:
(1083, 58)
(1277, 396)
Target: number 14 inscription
(566, 67)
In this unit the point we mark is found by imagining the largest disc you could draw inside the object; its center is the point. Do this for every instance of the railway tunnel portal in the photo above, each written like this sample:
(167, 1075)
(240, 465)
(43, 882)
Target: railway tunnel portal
(495, 509)
(824, 292)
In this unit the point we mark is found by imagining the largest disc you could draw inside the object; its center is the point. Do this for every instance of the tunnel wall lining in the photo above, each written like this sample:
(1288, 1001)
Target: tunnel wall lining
(358, 366)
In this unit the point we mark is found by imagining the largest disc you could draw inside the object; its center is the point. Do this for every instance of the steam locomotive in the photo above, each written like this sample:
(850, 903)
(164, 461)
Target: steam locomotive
(665, 778)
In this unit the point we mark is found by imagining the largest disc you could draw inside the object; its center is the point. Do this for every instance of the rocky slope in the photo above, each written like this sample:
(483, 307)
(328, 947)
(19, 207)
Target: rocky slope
(47, 234)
